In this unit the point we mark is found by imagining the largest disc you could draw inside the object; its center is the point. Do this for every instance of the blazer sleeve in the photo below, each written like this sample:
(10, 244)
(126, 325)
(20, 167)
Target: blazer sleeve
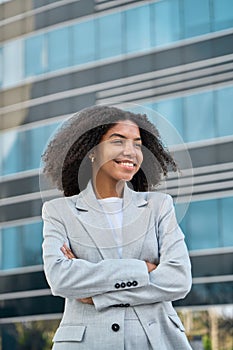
(171, 280)
(78, 278)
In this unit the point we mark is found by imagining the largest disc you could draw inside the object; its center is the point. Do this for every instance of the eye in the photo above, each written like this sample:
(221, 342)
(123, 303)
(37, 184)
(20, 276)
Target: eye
(117, 141)
(138, 145)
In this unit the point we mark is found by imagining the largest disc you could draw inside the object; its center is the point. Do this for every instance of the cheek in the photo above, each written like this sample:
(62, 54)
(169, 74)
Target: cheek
(140, 157)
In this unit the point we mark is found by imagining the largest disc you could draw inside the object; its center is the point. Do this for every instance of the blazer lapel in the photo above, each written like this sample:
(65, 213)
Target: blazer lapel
(95, 223)
(136, 218)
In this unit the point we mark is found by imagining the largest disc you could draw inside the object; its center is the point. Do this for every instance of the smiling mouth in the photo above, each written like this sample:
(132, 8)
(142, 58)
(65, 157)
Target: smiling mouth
(125, 163)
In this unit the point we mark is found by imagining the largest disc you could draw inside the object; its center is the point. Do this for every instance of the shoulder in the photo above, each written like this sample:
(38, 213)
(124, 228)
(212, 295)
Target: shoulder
(58, 204)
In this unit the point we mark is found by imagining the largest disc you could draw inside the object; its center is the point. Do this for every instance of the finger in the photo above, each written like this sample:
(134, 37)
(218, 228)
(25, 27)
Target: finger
(67, 252)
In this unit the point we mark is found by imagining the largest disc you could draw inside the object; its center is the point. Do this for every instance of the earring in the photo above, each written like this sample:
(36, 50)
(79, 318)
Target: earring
(92, 158)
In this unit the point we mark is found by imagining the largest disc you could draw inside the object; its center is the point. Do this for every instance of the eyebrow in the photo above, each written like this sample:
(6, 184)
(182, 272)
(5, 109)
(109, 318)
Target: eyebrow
(123, 137)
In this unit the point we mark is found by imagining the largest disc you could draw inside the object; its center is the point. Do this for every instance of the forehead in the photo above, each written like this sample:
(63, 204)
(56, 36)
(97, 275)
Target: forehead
(125, 128)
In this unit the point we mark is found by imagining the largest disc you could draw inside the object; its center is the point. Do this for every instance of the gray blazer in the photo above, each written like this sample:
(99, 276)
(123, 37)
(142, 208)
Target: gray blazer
(150, 233)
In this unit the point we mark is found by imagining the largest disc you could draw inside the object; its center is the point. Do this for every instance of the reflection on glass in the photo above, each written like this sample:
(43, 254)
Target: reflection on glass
(21, 246)
(165, 22)
(199, 116)
(59, 46)
(208, 224)
(196, 17)
(22, 150)
(137, 34)
(226, 221)
(224, 111)
(83, 42)
(13, 71)
(171, 110)
(223, 14)
(35, 55)
(110, 35)
(133, 30)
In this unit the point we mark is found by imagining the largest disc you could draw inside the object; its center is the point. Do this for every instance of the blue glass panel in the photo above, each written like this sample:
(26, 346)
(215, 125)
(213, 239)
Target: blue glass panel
(10, 149)
(35, 138)
(13, 57)
(21, 246)
(32, 244)
(223, 14)
(226, 225)
(202, 228)
(225, 111)
(11, 248)
(137, 34)
(196, 17)
(199, 117)
(1, 67)
(83, 42)
(110, 35)
(35, 55)
(165, 22)
(180, 209)
(22, 150)
(59, 49)
(171, 110)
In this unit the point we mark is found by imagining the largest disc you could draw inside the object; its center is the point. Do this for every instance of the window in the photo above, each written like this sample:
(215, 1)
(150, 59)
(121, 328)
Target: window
(202, 229)
(199, 117)
(1, 67)
(10, 152)
(171, 111)
(196, 17)
(226, 222)
(137, 34)
(223, 14)
(165, 22)
(59, 49)
(83, 42)
(28, 238)
(37, 138)
(110, 35)
(22, 150)
(13, 63)
(208, 224)
(35, 55)
(224, 110)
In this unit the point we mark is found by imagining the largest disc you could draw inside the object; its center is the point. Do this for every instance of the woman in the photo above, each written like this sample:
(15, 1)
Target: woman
(115, 253)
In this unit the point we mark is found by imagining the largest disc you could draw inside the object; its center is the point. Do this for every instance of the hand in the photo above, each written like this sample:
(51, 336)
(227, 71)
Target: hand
(150, 266)
(86, 301)
(67, 252)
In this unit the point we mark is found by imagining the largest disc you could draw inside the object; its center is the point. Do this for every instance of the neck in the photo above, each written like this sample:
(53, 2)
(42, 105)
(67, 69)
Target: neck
(106, 190)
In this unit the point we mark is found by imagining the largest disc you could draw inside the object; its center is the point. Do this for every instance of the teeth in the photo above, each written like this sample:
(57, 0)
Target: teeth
(127, 164)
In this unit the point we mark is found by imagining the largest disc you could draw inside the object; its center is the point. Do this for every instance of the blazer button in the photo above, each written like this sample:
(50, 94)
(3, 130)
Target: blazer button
(129, 284)
(117, 285)
(134, 283)
(123, 285)
(115, 327)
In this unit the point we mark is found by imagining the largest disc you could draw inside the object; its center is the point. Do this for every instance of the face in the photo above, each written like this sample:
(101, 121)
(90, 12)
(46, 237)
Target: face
(119, 154)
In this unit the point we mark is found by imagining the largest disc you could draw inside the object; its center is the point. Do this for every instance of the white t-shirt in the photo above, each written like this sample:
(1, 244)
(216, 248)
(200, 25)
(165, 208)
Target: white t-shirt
(112, 208)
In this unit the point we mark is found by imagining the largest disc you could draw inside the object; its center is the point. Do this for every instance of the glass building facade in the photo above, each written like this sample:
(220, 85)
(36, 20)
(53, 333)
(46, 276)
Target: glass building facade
(172, 58)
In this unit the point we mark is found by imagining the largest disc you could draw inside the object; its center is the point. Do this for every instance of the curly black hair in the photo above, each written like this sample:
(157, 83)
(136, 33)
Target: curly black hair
(66, 160)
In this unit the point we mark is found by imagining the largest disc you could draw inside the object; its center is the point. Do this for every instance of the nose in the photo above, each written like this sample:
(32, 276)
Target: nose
(129, 148)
